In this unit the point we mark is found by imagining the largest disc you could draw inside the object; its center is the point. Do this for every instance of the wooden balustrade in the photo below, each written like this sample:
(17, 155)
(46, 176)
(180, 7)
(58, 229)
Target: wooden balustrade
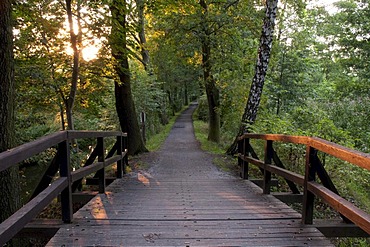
(62, 185)
(313, 167)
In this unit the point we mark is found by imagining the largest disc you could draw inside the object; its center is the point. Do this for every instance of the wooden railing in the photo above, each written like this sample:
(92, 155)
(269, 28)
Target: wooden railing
(63, 184)
(271, 164)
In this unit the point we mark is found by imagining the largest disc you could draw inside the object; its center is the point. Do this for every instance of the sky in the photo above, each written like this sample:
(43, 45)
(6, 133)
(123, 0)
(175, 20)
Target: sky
(328, 4)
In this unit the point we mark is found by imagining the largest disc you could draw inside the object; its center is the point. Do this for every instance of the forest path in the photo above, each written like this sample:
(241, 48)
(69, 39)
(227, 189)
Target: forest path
(184, 200)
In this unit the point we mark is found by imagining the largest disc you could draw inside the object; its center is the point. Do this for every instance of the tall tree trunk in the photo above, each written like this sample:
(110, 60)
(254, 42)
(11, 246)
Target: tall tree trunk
(209, 82)
(212, 96)
(9, 181)
(186, 94)
(140, 4)
(255, 93)
(69, 102)
(124, 101)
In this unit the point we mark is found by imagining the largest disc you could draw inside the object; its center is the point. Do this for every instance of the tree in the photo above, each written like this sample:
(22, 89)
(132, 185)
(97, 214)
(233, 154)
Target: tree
(140, 6)
(213, 94)
(348, 31)
(9, 191)
(255, 93)
(75, 40)
(124, 101)
(45, 67)
(296, 65)
(352, 49)
(195, 29)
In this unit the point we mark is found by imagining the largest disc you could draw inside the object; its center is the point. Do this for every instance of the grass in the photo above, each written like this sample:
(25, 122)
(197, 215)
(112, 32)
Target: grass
(201, 134)
(224, 162)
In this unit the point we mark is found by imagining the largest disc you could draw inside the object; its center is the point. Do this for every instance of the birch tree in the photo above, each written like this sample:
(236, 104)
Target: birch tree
(255, 93)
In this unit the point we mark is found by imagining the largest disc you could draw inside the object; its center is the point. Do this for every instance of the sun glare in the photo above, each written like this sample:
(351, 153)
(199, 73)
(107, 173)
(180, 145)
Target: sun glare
(90, 52)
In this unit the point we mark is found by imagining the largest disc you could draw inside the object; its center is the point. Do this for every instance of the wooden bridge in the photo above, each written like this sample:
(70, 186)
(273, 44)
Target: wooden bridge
(183, 199)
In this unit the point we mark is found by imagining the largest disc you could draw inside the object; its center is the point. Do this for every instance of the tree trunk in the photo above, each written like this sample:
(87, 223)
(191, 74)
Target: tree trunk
(140, 4)
(186, 94)
(212, 91)
(75, 71)
(9, 181)
(255, 93)
(124, 101)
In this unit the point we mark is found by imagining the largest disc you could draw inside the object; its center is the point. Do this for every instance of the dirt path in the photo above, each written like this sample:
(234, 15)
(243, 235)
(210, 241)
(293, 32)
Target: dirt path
(180, 155)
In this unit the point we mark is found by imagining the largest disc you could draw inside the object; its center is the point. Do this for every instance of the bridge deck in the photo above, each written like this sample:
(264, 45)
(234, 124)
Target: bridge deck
(141, 212)
(183, 200)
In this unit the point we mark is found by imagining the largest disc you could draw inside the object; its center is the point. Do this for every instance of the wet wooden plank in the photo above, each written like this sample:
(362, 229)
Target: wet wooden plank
(194, 213)
(195, 233)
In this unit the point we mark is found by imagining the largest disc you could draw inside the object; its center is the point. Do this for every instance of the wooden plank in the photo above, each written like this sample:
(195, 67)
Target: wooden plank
(83, 197)
(45, 228)
(291, 176)
(281, 138)
(288, 197)
(78, 134)
(269, 151)
(113, 159)
(356, 215)
(17, 221)
(259, 182)
(210, 233)
(279, 163)
(27, 150)
(173, 212)
(253, 161)
(336, 228)
(199, 212)
(355, 157)
(87, 170)
(95, 181)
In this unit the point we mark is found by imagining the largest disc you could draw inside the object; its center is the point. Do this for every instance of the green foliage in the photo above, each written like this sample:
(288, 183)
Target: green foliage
(201, 130)
(202, 110)
(202, 136)
(151, 100)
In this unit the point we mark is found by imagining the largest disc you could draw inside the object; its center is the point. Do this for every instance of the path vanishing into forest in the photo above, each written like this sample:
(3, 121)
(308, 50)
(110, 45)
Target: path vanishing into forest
(182, 199)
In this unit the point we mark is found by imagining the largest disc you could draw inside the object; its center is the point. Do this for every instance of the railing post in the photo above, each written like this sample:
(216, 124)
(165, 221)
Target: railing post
(243, 151)
(308, 197)
(269, 152)
(101, 158)
(65, 171)
(240, 160)
(125, 148)
(119, 152)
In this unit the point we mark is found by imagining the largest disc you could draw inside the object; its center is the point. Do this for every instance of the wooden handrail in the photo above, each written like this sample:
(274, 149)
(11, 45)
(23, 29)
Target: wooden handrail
(11, 226)
(328, 194)
(352, 156)
(18, 154)
(17, 221)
